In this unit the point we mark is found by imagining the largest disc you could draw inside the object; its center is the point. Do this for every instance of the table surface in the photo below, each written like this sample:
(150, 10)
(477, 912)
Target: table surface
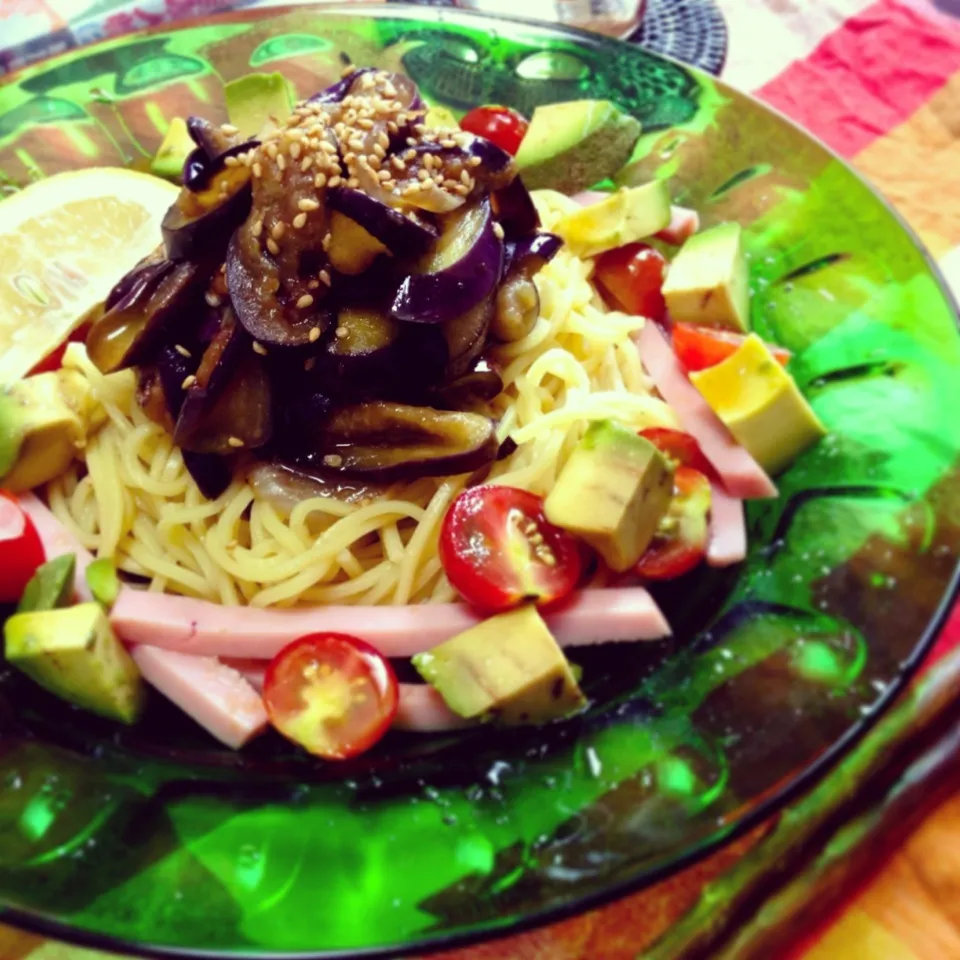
(879, 81)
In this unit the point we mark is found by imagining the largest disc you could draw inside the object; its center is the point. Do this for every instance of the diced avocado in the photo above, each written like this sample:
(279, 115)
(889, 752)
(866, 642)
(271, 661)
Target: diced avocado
(440, 118)
(623, 217)
(571, 146)
(51, 586)
(102, 579)
(75, 654)
(258, 101)
(44, 421)
(508, 669)
(708, 280)
(173, 151)
(613, 491)
(760, 404)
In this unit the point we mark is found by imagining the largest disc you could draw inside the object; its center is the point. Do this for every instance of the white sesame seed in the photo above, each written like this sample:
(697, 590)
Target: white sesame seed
(385, 175)
(229, 129)
(341, 332)
(392, 127)
(474, 161)
(398, 163)
(448, 143)
(182, 350)
(272, 246)
(498, 231)
(257, 170)
(379, 152)
(308, 204)
(295, 150)
(313, 284)
(188, 382)
(372, 162)
(314, 335)
(306, 163)
(257, 228)
(333, 460)
(411, 142)
(389, 90)
(212, 299)
(320, 181)
(365, 124)
(277, 230)
(353, 183)
(231, 162)
(259, 348)
(334, 182)
(327, 240)
(466, 178)
(299, 220)
(410, 155)
(235, 442)
(305, 301)
(324, 276)
(423, 174)
(281, 162)
(271, 149)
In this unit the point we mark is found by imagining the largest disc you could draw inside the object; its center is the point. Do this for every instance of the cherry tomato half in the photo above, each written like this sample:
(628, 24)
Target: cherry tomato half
(698, 348)
(54, 360)
(681, 543)
(679, 447)
(21, 551)
(631, 279)
(500, 125)
(333, 694)
(498, 550)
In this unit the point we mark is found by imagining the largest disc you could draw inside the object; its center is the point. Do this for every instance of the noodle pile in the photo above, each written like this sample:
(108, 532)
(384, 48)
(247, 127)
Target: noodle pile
(134, 500)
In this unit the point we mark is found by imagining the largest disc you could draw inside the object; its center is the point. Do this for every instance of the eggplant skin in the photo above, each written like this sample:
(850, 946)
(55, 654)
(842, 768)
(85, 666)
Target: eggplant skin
(439, 287)
(399, 233)
(385, 441)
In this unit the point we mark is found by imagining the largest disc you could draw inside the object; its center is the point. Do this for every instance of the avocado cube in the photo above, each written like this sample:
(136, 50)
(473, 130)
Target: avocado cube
(74, 653)
(103, 581)
(257, 101)
(613, 491)
(44, 422)
(51, 586)
(708, 281)
(571, 146)
(172, 153)
(508, 669)
(760, 404)
(626, 216)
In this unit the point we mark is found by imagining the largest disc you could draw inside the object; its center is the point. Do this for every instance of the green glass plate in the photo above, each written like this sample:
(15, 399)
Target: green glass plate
(155, 840)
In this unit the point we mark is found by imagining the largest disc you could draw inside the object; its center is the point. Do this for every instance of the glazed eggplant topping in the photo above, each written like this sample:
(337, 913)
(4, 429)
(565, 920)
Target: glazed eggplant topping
(327, 292)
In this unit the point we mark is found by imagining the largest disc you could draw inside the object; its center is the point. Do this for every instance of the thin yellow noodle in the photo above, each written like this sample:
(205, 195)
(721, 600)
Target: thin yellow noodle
(425, 532)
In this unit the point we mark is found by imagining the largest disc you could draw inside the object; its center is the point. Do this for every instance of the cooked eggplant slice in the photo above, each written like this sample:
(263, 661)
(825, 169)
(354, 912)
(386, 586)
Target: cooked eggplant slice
(272, 313)
(466, 337)
(517, 309)
(363, 344)
(338, 91)
(352, 249)
(165, 301)
(459, 272)
(148, 270)
(152, 399)
(531, 253)
(514, 209)
(227, 406)
(481, 384)
(211, 473)
(199, 224)
(392, 441)
(405, 235)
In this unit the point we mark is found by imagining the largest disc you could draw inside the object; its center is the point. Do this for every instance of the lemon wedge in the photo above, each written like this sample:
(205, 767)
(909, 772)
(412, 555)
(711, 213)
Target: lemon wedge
(64, 242)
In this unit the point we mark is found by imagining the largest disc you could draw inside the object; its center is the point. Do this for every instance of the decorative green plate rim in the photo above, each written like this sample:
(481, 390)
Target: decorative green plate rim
(796, 785)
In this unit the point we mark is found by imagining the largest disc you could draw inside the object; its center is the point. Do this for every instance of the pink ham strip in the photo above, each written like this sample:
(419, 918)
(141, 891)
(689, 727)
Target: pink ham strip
(421, 708)
(57, 540)
(728, 530)
(216, 696)
(208, 629)
(684, 223)
(741, 474)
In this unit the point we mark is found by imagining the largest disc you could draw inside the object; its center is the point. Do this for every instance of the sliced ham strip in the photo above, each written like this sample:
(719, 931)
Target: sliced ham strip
(728, 529)
(587, 198)
(215, 695)
(684, 223)
(421, 708)
(57, 540)
(741, 474)
(208, 629)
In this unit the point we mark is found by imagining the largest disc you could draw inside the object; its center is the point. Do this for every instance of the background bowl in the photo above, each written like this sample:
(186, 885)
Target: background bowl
(155, 839)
